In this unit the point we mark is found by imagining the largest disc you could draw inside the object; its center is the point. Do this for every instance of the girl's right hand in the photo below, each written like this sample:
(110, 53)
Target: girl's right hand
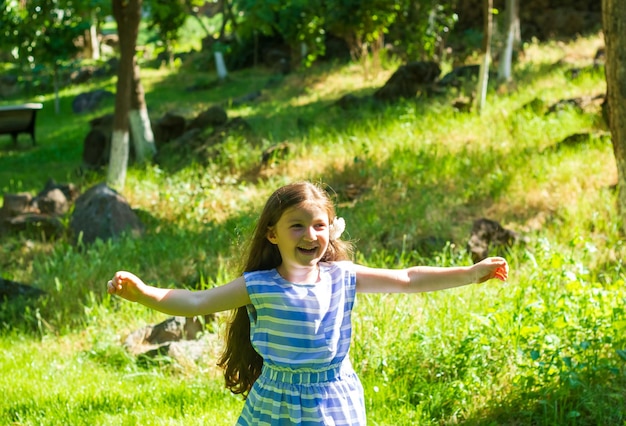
(126, 285)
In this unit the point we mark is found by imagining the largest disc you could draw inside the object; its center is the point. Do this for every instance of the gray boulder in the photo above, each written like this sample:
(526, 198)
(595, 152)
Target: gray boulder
(103, 213)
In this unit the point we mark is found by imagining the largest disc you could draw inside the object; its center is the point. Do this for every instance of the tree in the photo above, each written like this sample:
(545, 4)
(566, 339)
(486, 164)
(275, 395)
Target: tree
(512, 39)
(143, 138)
(127, 14)
(421, 29)
(167, 17)
(298, 22)
(42, 33)
(483, 75)
(10, 24)
(91, 11)
(362, 24)
(614, 27)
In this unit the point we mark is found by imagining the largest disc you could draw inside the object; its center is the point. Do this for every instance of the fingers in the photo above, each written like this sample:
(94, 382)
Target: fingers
(114, 286)
(502, 269)
(501, 273)
(495, 267)
(118, 282)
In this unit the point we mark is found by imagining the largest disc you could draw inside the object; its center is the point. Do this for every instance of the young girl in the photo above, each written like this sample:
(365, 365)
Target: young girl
(287, 345)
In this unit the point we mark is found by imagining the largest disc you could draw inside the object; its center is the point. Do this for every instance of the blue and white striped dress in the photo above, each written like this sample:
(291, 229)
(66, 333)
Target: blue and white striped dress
(303, 332)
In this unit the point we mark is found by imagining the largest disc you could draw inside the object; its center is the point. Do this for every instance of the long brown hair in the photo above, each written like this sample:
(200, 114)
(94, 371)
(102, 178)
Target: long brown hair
(241, 363)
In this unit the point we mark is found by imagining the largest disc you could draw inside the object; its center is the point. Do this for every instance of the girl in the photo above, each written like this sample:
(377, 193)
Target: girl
(287, 345)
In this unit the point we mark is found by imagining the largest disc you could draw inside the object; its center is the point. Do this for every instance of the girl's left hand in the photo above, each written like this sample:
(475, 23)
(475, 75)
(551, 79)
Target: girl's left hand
(491, 267)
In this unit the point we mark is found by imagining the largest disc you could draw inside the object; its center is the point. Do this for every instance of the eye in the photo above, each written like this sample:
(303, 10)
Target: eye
(320, 226)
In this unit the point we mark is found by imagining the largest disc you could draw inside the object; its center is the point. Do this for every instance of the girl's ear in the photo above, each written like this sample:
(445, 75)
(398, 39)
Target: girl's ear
(271, 235)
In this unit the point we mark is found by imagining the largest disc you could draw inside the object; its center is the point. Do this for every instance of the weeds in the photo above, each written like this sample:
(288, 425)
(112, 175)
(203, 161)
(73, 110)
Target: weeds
(545, 348)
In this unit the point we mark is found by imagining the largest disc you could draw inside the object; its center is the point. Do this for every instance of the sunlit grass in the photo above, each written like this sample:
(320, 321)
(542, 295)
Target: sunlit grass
(544, 348)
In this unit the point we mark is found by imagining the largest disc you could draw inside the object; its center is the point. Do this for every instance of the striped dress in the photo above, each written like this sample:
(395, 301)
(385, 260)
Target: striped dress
(303, 332)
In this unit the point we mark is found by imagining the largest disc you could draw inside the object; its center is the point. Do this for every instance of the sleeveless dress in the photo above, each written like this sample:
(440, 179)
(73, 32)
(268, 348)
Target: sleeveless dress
(303, 333)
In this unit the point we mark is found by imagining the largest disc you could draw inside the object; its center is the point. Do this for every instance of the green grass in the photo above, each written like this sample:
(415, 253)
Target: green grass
(545, 348)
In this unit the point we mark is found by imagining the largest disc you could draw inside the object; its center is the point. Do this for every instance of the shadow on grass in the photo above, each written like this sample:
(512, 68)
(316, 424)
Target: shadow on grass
(419, 198)
(585, 403)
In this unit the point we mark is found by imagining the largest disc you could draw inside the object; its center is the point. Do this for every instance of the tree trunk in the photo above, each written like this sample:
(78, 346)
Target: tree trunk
(506, 58)
(220, 65)
(483, 76)
(91, 45)
(55, 79)
(127, 14)
(614, 27)
(93, 36)
(140, 126)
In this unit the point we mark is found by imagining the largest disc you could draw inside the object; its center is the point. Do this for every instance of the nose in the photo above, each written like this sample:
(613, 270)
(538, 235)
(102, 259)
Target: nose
(310, 234)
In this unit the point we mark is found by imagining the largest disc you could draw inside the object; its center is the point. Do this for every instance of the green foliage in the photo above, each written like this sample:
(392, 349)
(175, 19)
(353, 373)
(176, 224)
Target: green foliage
(10, 20)
(44, 32)
(297, 22)
(417, 29)
(364, 21)
(421, 30)
(166, 18)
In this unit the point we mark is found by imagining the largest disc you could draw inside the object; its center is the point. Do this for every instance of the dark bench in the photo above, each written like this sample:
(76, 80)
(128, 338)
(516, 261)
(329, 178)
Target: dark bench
(16, 119)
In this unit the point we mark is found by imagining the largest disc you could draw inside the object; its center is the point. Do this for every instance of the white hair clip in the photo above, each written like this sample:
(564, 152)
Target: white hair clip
(337, 228)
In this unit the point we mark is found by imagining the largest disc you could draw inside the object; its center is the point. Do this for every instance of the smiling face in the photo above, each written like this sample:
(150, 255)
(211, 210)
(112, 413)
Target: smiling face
(302, 237)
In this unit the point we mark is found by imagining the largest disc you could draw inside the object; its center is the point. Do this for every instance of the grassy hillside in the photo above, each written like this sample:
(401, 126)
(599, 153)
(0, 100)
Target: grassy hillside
(545, 348)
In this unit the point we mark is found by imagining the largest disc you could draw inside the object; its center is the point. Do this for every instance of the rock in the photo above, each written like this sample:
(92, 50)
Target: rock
(275, 152)
(102, 213)
(179, 338)
(82, 75)
(96, 147)
(53, 202)
(45, 224)
(97, 143)
(68, 189)
(460, 75)
(89, 101)
(12, 289)
(172, 329)
(407, 80)
(42, 213)
(580, 104)
(349, 101)
(169, 127)
(8, 86)
(214, 116)
(487, 234)
(250, 97)
(16, 204)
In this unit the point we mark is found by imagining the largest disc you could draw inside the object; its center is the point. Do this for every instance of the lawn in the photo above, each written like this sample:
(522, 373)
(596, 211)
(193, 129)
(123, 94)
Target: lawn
(545, 348)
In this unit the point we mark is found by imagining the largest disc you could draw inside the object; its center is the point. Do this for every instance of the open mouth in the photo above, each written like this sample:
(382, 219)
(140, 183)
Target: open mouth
(308, 251)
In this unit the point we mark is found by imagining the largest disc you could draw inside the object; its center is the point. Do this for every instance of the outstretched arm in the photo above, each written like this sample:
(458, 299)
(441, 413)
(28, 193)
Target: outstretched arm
(179, 302)
(428, 278)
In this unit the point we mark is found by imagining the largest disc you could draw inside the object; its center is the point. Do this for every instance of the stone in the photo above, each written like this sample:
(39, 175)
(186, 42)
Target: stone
(12, 289)
(169, 127)
(180, 338)
(53, 202)
(89, 101)
(102, 213)
(214, 116)
(487, 234)
(407, 80)
(16, 204)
